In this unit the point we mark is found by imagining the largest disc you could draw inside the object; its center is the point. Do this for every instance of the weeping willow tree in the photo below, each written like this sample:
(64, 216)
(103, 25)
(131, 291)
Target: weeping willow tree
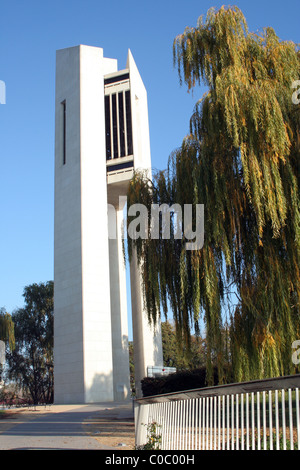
(241, 160)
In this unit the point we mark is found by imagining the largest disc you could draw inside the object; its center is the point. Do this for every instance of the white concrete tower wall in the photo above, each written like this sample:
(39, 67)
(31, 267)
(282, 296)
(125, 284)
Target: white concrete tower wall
(68, 338)
(91, 358)
(140, 121)
(119, 317)
(147, 342)
(97, 340)
(82, 337)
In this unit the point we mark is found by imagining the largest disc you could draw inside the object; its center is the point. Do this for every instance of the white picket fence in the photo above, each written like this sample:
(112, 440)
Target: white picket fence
(257, 415)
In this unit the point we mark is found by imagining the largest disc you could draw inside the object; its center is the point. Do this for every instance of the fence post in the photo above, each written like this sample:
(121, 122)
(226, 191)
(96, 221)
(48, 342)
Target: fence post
(141, 418)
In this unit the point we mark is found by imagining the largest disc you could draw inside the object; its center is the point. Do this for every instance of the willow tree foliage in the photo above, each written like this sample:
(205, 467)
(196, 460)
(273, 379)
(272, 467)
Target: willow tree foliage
(241, 160)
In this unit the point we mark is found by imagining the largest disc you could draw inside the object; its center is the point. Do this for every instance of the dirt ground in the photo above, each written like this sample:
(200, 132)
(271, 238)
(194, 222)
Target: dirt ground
(109, 427)
(112, 430)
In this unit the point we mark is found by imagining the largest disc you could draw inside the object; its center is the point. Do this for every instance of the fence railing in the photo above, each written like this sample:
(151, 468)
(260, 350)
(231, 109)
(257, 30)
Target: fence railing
(262, 414)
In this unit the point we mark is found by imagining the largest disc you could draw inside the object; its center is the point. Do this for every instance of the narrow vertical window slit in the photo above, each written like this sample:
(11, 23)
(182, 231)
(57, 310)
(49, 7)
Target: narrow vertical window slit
(107, 129)
(115, 126)
(128, 123)
(121, 125)
(64, 132)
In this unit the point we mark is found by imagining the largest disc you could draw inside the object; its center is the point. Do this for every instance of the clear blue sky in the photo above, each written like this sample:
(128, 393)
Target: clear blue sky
(30, 33)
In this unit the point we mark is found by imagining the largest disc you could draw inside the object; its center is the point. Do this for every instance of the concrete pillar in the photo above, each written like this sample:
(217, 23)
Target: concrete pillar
(91, 359)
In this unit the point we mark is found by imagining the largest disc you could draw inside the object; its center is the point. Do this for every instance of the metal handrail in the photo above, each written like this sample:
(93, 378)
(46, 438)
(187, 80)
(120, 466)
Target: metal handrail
(277, 383)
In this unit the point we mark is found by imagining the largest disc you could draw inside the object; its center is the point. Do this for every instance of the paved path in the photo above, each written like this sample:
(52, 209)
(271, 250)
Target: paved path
(59, 427)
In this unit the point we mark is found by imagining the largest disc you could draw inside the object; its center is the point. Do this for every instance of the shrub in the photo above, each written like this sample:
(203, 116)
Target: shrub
(177, 382)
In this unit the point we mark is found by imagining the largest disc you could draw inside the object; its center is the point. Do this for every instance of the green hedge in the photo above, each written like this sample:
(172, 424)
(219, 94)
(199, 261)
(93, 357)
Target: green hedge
(179, 381)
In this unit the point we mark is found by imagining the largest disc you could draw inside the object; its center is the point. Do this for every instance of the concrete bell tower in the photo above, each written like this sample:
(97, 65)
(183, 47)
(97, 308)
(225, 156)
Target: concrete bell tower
(101, 136)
